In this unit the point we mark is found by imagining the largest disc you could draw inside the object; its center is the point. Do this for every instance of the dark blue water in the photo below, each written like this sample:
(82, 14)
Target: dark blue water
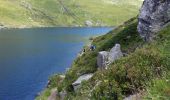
(29, 56)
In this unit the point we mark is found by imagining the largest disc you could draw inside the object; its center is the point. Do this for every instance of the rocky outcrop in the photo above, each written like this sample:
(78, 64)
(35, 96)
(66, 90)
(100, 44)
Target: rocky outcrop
(88, 23)
(105, 58)
(2, 26)
(102, 59)
(154, 15)
(115, 53)
(84, 77)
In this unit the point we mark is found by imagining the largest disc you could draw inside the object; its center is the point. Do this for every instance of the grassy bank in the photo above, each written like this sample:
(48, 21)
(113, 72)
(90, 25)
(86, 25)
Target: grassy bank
(144, 70)
(38, 13)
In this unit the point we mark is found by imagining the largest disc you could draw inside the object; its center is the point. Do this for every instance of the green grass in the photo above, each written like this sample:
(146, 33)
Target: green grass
(130, 74)
(159, 90)
(44, 95)
(146, 68)
(87, 62)
(32, 13)
(54, 82)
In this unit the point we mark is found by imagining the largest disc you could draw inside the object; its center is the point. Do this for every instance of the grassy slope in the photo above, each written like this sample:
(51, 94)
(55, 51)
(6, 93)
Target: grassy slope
(19, 13)
(10, 14)
(146, 67)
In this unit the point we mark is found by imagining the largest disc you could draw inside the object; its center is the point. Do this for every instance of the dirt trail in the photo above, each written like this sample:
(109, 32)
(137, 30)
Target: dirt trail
(53, 95)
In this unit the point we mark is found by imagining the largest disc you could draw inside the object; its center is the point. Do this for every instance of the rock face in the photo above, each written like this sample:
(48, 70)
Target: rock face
(102, 59)
(115, 53)
(154, 15)
(105, 58)
(77, 83)
(88, 23)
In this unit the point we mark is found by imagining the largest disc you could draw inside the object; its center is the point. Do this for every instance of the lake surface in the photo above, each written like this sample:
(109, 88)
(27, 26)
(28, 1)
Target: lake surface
(29, 56)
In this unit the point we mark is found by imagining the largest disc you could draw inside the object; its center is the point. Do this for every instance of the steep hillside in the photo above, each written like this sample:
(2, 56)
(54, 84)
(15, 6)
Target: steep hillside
(144, 71)
(140, 71)
(28, 13)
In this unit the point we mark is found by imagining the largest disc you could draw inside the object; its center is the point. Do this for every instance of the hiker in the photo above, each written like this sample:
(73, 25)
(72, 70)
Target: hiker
(92, 47)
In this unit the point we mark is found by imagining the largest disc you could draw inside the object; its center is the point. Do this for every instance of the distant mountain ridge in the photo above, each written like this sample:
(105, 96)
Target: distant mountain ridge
(37, 13)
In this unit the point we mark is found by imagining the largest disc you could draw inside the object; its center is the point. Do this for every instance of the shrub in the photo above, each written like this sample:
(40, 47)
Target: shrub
(131, 74)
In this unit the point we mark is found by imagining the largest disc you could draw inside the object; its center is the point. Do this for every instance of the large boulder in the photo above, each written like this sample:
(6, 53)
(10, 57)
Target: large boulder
(102, 59)
(154, 15)
(115, 53)
(105, 58)
(84, 77)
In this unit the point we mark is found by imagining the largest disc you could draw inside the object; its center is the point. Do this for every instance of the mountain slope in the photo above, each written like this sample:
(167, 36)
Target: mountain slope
(144, 70)
(28, 13)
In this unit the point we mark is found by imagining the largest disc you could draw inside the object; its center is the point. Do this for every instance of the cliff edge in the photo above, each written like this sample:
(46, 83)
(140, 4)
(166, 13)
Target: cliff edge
(154, 15)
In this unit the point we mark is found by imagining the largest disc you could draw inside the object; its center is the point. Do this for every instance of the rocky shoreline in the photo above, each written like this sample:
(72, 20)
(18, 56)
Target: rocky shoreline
(6, 27)
(103, 61)
(2, 27)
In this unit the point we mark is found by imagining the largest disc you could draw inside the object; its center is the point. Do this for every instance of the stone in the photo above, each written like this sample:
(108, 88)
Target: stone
(115, 53)
(25, 4)
(84, 77)
(102, 59)
(62, 95)
(134, 97)
(88, 23)
(1, 26)
(105, 58)
(154, 15)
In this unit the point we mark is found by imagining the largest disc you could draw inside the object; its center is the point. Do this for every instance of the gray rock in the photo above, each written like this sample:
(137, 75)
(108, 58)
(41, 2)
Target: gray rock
(115, 53)
(26, 5)
(62, 95)
(84, 77)
(133, 97)
(154, 15)
(88, 23)
(102, 59)
(2, 26)
(105, 58)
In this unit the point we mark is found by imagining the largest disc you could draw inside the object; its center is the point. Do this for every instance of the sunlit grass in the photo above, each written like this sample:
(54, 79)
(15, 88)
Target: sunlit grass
(70, 13)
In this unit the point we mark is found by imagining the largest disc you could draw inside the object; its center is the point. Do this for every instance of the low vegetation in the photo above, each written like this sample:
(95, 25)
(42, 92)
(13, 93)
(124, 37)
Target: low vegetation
(145, 70)
(54, 82)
